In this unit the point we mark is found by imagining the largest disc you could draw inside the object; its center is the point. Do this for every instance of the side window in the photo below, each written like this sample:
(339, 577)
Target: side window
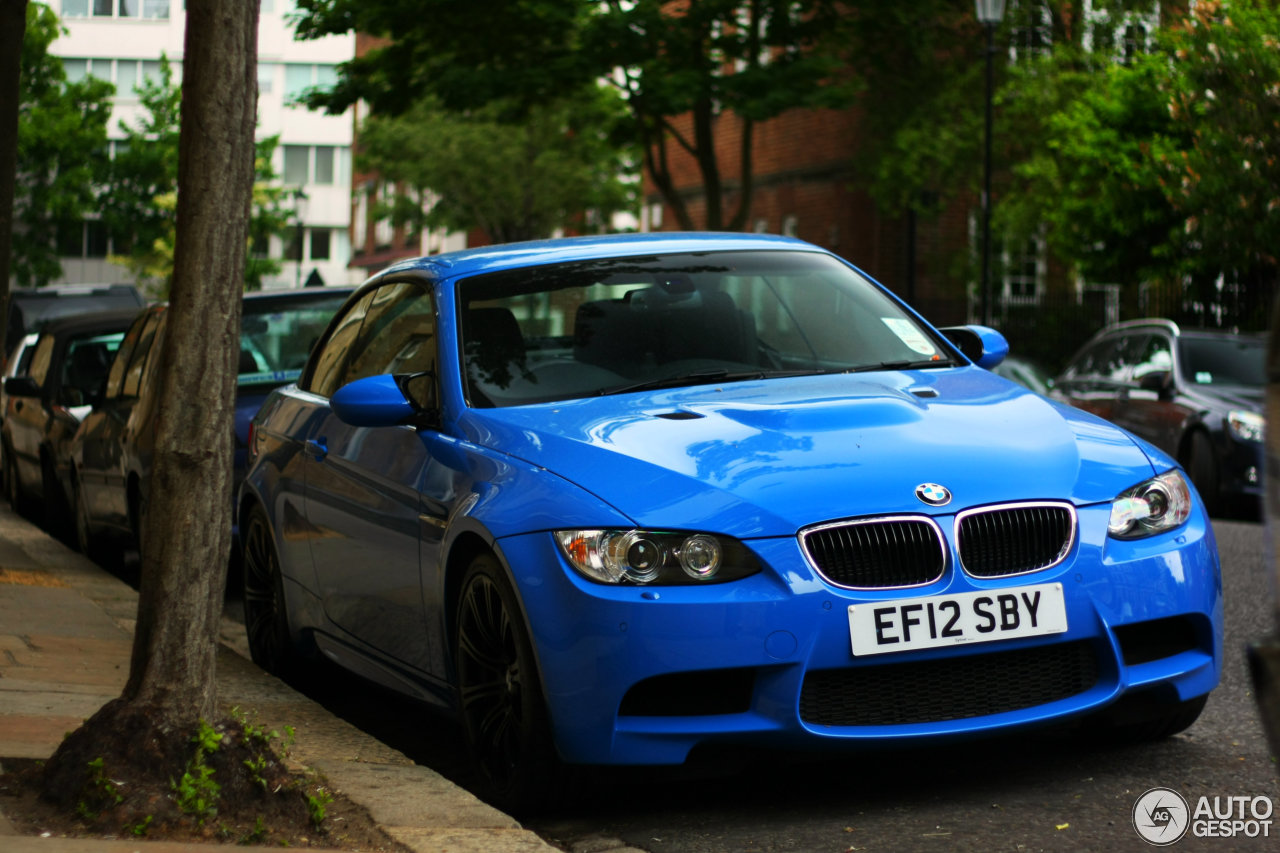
(398, 335)
(136, 367)
(334, 351)
(115, 377)
(1156, 356)
(41, 359)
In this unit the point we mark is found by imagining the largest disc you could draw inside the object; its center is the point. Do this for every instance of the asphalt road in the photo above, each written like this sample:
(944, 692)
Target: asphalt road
(1050, 792)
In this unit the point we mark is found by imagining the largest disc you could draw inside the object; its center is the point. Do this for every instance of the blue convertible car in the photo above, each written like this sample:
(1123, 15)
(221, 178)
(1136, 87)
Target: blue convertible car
(610, 499)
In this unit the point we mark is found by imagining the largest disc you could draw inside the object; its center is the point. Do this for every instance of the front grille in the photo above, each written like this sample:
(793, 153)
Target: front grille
(877, 553)
(931, 691)
(1013, 540)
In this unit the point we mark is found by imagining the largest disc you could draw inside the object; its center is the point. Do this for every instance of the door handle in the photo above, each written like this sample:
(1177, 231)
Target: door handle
(316, 448)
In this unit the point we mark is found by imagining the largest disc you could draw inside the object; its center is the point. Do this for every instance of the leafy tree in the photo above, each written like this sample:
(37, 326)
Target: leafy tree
(140, 201)
(515, 182)
(678, 68)
(13, 25)
(62, 139)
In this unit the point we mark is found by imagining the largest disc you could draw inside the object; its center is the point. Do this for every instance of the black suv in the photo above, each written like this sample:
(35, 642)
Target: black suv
(1195, 394)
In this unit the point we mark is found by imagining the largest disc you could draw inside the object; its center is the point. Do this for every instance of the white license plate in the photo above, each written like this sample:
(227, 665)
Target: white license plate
(928, 622)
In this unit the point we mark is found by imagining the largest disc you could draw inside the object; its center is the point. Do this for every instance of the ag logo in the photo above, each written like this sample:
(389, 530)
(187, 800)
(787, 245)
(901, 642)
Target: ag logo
(1161, 816)
(933, 494)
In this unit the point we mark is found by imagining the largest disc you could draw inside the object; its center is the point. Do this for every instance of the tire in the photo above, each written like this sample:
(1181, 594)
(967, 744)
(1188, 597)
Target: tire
(266, 613)
(55, 508)
(1202, 468)
(17, 496)
(85, 540)
(500, 700)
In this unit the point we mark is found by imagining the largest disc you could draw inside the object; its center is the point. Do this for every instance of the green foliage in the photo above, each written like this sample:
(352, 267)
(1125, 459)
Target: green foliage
(196, 793)
(255, 836)
(139, 204)
(510, 56)
(318, 800)
(141, 827)
(62, 136)
(100, 792)
(514, 180)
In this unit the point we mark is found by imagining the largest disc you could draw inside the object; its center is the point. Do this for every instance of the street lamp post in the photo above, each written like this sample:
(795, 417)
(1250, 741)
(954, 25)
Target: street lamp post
(989, 13)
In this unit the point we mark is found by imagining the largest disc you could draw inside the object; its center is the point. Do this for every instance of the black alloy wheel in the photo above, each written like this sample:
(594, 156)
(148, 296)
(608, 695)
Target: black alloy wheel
(501, 707)
(266, 618)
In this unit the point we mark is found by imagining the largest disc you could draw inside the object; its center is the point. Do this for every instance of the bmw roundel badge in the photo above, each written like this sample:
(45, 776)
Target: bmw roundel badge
(933, 494)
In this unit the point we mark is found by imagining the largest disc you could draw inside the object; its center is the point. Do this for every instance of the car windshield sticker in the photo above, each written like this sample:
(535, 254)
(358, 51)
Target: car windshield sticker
(909, 334)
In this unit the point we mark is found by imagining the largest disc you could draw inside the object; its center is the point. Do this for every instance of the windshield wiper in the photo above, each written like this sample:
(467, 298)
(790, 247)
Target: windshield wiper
(903, 365)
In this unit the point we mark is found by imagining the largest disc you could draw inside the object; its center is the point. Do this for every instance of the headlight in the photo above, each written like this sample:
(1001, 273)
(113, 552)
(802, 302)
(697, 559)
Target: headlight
(1246, 426)
(1161, 503)
(652, 557)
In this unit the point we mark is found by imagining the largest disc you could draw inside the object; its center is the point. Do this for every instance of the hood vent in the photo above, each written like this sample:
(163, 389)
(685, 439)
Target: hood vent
(679, 415)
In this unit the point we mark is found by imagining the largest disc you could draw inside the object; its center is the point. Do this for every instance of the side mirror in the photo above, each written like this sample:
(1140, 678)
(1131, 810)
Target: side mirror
(982, 345)
(21, 386)
(1160, 381)
(382, 401)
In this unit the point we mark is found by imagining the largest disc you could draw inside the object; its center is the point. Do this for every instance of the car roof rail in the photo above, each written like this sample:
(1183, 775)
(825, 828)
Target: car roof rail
(1167, 325)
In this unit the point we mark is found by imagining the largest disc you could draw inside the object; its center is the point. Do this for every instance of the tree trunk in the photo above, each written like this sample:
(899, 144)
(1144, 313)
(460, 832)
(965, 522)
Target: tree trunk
(13, 25)
(187, 532)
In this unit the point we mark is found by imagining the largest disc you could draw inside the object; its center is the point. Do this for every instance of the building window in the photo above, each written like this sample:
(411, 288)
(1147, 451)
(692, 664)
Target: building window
(75, 69)
(1120, 35)
(266, 76)
(320, 244)
(1023, 266)
(299, 78)
(297, 166)
(1032, 22)
(324, 164)
(75, 8)
(790, 225)
(151, 9)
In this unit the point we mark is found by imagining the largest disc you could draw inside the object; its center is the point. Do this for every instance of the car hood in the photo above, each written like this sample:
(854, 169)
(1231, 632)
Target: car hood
(766, 458)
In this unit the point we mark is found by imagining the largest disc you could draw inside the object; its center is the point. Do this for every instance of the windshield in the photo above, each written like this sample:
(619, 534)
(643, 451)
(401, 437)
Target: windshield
(614, 326)
(1226, 360)
(276, 335)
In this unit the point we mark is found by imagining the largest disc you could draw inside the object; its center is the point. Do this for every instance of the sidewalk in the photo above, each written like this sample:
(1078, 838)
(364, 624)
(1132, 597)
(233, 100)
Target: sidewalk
(65, 639)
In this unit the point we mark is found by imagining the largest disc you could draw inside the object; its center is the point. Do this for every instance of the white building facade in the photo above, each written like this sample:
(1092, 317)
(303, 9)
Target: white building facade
(123, 40)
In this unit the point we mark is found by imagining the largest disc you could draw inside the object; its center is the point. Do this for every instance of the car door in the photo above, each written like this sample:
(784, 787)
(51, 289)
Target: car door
(362, 485)
(102, 471)
(1150, 408)
(26, 414)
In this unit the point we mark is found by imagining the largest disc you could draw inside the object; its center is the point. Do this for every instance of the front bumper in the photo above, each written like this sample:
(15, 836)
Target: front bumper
(642, 675)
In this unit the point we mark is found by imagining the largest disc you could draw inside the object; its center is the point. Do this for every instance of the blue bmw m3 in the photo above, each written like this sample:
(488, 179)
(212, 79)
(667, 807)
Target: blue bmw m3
(610, 499)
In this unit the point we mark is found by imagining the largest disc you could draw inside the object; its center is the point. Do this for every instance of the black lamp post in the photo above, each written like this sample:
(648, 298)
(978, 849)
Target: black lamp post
(990, 13)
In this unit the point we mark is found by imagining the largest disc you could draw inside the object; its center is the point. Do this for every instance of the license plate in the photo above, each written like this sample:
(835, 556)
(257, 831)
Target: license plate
(910, 624)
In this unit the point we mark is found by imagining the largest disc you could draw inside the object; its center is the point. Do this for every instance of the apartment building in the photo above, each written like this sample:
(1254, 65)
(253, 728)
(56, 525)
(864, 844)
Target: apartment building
(123, 40)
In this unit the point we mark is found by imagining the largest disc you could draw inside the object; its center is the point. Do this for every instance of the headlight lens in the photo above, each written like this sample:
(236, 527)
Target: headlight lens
(655, 557)
(1159, 504)
(1246, 426)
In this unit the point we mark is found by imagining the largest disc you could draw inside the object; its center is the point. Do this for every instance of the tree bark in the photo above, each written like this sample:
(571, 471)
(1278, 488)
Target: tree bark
(13, 26)
(186, 533)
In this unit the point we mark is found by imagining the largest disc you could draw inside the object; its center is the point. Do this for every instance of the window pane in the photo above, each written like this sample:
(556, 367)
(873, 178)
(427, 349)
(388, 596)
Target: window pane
(102, 8)
(266, 76)
(71, 239)
(75, 8)
(296, 169)
(126, 78)
(128, 8)
(155, 8)
(324, 164)
(320, 244)
(151, 72)
(326, 76)
(76, 69)
(296, 79)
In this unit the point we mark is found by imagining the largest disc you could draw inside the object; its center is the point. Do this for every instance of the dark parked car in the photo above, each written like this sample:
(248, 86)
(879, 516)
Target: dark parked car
(44, 407)
(112, 451)
(613, 499)
(1195, 394)
(30, 308)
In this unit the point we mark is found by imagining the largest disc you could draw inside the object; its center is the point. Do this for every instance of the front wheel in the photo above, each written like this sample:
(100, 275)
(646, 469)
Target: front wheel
(501, 706)
(1203, 470)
